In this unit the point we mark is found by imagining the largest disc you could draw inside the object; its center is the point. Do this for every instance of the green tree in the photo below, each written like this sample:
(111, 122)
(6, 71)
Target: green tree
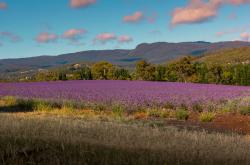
(215, 74)
(160, 73)
(145, 71)
(62, 76)
(201, 72)
(181, 69)
(102, 70)
(121, 74)
(85, 73)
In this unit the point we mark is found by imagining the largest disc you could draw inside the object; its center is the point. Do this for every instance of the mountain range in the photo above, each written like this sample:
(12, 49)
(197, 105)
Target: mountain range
(157, 53)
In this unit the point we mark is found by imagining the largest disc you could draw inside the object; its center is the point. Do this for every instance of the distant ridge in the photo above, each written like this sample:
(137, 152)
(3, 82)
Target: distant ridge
(159, 52)
(228, 56)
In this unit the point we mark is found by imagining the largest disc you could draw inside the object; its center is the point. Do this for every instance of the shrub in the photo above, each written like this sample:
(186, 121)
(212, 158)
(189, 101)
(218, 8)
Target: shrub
(165, 114)
(245, 110)
(26, 104)
(181, 114)
(207, 117)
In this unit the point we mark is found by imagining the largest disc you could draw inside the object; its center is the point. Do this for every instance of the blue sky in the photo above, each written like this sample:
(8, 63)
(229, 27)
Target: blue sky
(52, 27)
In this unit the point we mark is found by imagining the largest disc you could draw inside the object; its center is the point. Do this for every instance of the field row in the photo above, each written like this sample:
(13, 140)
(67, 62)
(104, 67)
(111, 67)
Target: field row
(131, 93)
(232, 120)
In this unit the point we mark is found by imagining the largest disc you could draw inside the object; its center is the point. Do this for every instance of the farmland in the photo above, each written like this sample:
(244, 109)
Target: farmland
(132, 93)
(139, 122)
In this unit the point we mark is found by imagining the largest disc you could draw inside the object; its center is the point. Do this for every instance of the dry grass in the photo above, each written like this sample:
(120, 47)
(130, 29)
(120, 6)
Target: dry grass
(47, 133)
(46, 139)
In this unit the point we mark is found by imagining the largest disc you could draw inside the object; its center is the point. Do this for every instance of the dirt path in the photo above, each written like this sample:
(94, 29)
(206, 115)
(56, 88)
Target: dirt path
(222, 123)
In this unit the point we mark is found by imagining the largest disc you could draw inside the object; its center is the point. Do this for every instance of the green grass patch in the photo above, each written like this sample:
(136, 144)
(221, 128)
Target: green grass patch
(245, 110)
(181, 114)
(207, 117)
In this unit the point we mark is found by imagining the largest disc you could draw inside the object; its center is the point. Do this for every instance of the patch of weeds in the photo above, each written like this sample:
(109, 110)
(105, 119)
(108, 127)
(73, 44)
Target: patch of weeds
(26, 104)
(181, 114)
(42, 106)
(245, 110)
(9, 100)
(207, 117)
(98, 107)
(118, 110)
(165, 114)
(225, 109)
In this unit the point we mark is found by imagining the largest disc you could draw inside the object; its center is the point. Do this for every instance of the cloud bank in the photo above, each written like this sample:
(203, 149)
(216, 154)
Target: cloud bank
(81, 3)
(136, 17)
(3, 5)
(46, 37)
(200, 11)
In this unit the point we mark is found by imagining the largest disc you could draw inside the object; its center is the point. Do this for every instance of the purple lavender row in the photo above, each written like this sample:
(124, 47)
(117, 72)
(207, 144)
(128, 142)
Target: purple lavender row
(127, 92)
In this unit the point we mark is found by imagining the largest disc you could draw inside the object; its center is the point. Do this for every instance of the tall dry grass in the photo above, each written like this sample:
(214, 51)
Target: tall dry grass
(34, 139)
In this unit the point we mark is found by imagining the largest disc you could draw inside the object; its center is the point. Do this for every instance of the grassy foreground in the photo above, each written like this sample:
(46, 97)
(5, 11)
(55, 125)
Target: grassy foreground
(64, 137)
(28, 139)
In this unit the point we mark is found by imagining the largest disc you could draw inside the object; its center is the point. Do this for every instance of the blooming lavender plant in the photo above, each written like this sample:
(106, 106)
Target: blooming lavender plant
(134, 93)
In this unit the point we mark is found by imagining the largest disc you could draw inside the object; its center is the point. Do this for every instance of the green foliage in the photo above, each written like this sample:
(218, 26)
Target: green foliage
(62, 76)
(207, 117)
(9, 100)
(102, 70)
(118, 110)
(43, 106)
(85, 73)
(47, 76)
(181, 114)
(227, 57)
(26, 104)
(181, 68)
(186, 69)
(160, 73)
(121, 74)
(245, 110)
(145, 71)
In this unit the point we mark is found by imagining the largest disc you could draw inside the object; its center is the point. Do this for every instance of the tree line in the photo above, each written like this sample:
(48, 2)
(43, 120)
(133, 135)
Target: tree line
(182, 70)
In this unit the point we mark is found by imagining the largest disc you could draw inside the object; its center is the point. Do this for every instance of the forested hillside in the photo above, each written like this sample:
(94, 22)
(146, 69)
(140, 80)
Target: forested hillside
(230, 56)
(156, 53)
(230, 67)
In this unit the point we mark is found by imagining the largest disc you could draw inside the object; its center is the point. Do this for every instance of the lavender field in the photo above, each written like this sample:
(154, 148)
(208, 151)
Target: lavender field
(126, 92)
